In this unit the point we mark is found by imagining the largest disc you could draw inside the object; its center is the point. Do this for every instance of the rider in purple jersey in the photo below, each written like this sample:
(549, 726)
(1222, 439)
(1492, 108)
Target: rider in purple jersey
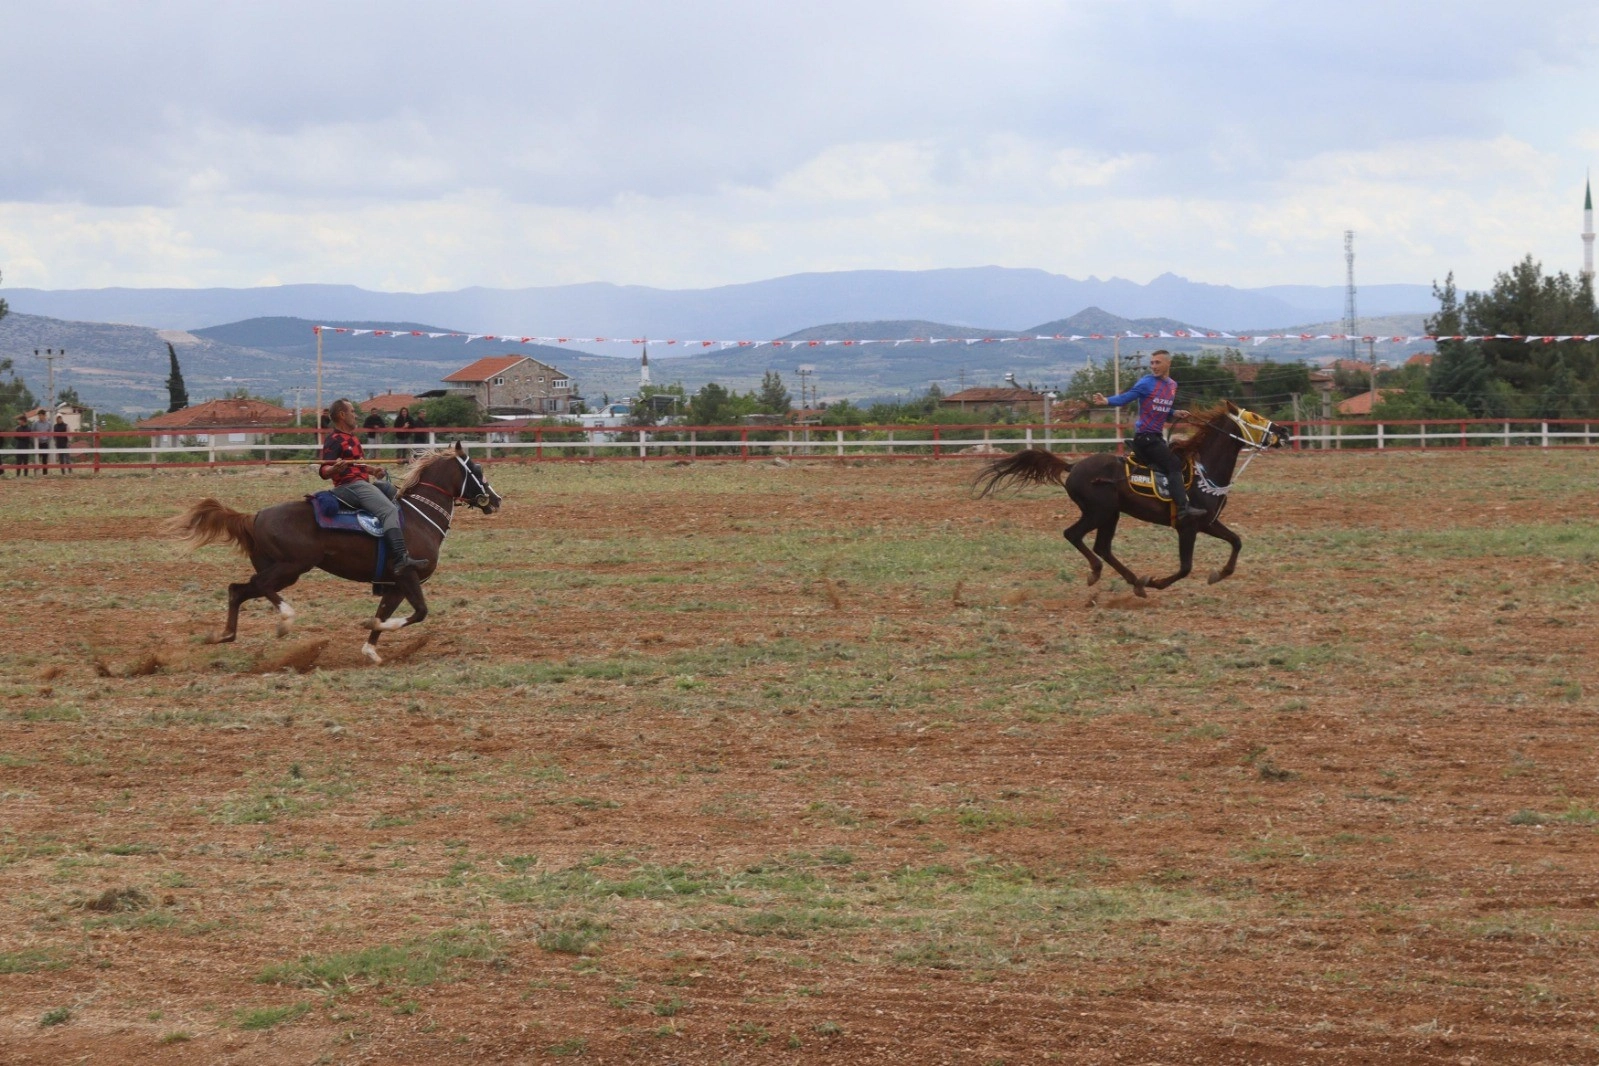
(1156, 394)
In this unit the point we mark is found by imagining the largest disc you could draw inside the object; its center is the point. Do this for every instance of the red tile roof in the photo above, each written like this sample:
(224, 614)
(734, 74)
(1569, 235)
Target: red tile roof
(485, 368)
(222, 414)
(991, 395)
(1362, 404)
(389, 403)
(1420, 359)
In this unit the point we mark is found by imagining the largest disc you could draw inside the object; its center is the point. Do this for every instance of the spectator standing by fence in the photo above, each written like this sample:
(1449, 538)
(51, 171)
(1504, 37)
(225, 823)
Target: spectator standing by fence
(419, 432)
(374, 422)
(41, 442)
(63, 444)
(19, 442)
(402, 431)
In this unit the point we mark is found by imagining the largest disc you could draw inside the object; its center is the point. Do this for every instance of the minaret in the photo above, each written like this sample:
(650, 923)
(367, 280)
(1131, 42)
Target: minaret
(644, 364)
(1587, 231)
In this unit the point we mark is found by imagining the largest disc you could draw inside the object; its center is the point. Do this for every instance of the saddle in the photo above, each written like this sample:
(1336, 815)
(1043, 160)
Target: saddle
(332, 513)
(1146, 481)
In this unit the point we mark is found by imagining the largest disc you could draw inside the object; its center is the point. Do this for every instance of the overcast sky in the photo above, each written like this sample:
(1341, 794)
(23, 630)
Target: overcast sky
(423, 146)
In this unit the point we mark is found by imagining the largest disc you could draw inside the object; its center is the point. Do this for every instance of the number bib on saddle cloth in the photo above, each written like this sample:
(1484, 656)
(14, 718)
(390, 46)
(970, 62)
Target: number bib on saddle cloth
(1146, 481)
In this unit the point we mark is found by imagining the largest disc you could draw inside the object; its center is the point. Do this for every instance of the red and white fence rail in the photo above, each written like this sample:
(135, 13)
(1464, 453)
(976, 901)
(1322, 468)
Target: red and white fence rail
(253, 446)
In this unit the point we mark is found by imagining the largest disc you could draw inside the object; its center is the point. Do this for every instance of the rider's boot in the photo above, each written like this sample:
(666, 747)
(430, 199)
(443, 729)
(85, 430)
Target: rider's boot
(1185, 508)
(401, 560)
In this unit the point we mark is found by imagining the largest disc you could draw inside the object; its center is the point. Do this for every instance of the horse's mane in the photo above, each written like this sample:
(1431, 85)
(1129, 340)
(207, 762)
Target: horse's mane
(1203, 422)
(414, 473)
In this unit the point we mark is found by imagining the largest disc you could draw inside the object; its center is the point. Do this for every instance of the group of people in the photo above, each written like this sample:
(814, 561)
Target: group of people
(30, 444)
(409, 430)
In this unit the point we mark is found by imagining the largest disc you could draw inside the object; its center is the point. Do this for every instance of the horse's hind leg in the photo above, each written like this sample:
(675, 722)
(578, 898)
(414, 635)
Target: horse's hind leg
(407, 588)
(1185, 560)
(1221, 532)
(1102, 541)
(265, 584)
(1075, 533)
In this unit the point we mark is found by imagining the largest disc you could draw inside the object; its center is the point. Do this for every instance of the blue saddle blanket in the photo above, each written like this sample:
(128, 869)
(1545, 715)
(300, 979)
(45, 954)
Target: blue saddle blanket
(332, 513)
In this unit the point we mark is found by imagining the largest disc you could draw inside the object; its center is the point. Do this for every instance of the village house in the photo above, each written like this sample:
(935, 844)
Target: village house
(1014, 400)
(514, 385)
(234, 424)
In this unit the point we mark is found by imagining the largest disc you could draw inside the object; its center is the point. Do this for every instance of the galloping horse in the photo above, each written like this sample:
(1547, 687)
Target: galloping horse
(284, 541)
(1098, 485)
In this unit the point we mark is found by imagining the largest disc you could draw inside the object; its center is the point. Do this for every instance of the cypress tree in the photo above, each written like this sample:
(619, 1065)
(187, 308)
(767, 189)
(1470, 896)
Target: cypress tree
(177, 394)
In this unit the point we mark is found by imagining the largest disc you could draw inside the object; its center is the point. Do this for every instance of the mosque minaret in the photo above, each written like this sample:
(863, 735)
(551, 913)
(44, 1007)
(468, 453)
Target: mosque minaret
(1587, 231)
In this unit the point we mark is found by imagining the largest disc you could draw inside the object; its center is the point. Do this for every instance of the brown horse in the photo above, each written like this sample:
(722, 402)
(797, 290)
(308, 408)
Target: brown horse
(284, 541)
(1098, 485)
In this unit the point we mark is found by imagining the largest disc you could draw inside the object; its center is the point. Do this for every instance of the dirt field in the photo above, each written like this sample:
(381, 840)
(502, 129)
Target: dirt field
(756, 763)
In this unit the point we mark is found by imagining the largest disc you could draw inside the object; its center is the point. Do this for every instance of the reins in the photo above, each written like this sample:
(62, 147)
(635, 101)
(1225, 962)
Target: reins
(445, 510)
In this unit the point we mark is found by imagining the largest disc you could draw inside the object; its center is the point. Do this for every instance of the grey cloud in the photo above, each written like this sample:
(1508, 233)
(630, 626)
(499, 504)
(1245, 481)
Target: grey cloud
(576, 104)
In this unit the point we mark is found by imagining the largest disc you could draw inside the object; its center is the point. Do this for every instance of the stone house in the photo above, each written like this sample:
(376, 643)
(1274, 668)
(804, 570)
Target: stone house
(515, 385)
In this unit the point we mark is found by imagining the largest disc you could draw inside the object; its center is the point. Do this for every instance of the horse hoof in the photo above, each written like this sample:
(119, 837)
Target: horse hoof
(371, 652)
(1138, 590)
(1093, 579)
(283, 627)
(221, 638)
(1215, 576)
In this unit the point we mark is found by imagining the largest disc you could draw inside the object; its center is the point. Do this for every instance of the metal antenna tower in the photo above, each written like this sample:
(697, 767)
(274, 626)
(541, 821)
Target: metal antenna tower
(1351, 328)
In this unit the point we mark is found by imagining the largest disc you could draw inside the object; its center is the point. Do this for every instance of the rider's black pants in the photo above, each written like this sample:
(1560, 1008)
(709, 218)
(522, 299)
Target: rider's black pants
(1152, 448)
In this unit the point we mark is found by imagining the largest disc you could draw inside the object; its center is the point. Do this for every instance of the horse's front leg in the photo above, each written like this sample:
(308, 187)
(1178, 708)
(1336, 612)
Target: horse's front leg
(408, 588)
(1221, 532)
(1185, 559)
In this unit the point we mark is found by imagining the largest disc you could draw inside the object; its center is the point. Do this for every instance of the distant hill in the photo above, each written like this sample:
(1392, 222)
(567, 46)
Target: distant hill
(124, 368)
(974, 297)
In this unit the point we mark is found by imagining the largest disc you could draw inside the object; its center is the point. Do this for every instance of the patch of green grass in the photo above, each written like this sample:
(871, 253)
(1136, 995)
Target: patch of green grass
(573, 936)
(418, 962)
(55, 1016)
(31, 960)
(270, 1017)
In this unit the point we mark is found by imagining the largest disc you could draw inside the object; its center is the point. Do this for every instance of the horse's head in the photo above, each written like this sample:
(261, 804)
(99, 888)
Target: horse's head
(1256, 430)
(474, 486)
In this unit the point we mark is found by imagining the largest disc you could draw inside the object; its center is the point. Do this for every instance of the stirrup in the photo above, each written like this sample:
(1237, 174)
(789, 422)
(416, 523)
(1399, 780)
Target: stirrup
(1193, 511)
(406, 562)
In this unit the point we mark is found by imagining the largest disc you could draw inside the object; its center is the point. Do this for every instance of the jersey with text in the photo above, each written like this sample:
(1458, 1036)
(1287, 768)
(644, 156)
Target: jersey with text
(1156, 397)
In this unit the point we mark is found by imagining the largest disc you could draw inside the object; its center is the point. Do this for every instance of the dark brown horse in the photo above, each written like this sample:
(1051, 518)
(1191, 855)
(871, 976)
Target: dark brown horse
(1098, 485)
(284, 541)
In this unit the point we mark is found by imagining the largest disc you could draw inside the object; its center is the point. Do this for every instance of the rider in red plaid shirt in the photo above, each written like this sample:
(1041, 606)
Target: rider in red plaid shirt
(360, 486)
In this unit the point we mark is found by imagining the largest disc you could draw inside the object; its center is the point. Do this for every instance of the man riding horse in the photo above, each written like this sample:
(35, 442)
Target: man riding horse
(363, 487)
(1156, 394)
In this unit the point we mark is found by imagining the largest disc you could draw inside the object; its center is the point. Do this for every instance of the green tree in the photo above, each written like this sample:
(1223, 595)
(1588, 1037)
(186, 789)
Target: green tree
(4, 309)
(453, 411)
(177, 394)
(14, 394)
(1459, 372)
(773, 398)
(843, 413)
(1552, 380)
(715, 405)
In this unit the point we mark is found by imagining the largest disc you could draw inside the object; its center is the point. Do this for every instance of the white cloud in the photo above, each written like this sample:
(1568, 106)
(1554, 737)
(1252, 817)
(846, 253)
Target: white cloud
(399, 145)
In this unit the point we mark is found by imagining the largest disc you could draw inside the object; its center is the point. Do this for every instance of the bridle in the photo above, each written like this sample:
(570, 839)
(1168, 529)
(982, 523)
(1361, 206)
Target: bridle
(481, 498)
(1257, 432)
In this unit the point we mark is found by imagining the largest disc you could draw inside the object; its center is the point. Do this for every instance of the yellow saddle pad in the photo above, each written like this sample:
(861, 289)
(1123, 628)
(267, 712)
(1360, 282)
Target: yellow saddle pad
(1147, 482)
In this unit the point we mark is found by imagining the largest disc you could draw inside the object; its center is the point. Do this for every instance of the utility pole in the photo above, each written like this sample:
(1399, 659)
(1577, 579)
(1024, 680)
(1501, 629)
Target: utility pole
(1351, 323)
(50, 355)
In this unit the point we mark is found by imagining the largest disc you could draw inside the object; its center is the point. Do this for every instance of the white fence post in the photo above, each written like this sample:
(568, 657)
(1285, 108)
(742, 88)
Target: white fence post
(1543, 434)
(1379, 436)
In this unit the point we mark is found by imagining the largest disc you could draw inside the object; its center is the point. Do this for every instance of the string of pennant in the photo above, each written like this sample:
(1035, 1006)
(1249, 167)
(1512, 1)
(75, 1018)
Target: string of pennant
(1181, 334)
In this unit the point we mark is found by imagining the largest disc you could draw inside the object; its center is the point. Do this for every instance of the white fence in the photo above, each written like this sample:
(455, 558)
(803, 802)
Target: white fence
(253, 446)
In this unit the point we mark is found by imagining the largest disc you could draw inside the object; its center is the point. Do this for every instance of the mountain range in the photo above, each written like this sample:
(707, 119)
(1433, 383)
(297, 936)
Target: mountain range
(123, 368)
(989, 298)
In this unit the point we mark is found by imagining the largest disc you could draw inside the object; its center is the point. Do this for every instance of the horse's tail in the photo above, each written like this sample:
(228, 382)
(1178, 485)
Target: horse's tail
(209, 521)
(1030, 466)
